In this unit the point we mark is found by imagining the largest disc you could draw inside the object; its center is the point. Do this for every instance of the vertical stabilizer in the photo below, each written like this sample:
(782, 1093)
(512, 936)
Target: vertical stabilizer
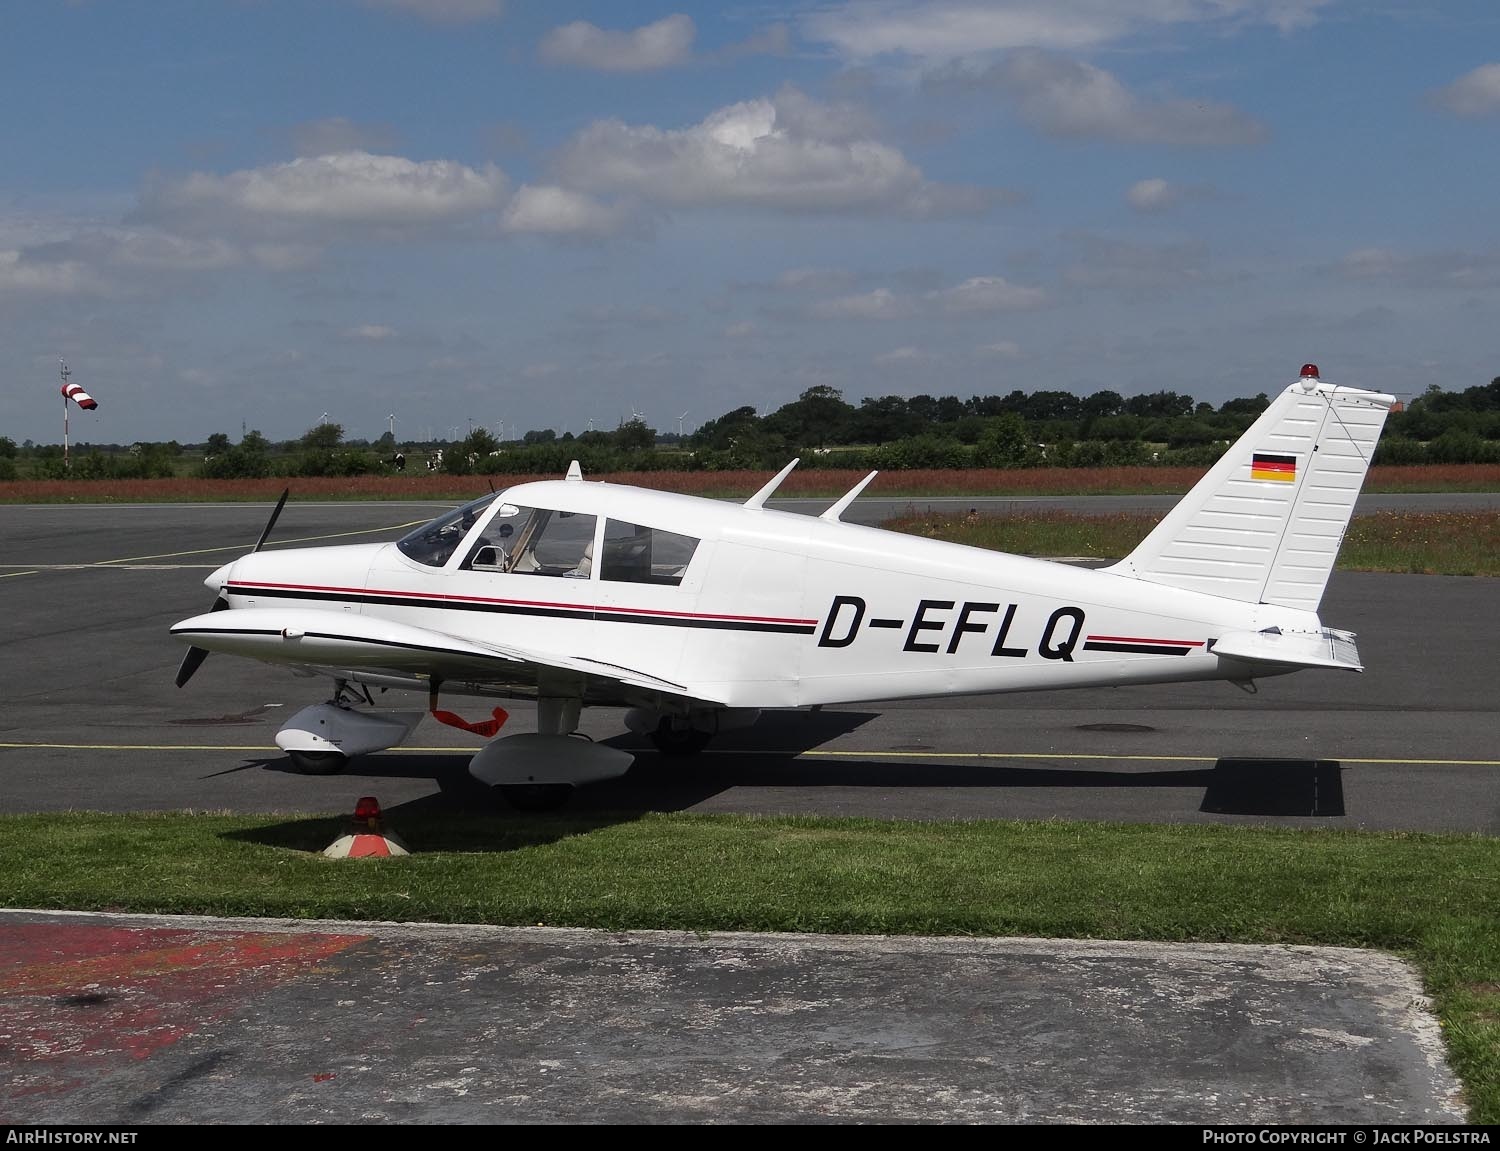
(1265, 524)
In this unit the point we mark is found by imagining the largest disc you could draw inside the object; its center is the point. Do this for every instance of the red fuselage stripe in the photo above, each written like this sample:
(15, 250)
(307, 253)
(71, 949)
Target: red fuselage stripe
(518, 602)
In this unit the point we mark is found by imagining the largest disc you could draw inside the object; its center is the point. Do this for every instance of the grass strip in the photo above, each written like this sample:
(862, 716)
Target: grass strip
(808, 483)
(1432, 898)
(1432, 543)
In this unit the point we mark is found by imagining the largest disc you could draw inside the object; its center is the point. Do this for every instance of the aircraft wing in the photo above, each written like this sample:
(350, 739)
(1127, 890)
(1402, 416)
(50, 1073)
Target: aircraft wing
(340, 642)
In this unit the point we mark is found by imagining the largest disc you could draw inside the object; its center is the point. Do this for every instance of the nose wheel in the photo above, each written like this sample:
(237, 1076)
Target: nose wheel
(318, 762)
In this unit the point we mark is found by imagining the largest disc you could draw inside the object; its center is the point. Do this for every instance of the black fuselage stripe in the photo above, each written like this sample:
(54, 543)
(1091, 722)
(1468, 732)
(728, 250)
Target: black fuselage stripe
(603, 615)
(1138, 648)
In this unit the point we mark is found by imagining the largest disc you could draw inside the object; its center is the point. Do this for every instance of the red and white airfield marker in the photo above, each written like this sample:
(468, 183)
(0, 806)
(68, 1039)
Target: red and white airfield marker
(369, 840)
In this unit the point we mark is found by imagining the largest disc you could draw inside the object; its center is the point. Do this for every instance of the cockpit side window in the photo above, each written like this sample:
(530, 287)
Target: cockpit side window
(634, 553)
(435, 542)
(535, 541)
(493, 548)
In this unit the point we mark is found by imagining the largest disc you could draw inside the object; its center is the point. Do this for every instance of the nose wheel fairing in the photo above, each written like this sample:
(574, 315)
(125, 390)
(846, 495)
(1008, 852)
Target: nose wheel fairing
(326, 728)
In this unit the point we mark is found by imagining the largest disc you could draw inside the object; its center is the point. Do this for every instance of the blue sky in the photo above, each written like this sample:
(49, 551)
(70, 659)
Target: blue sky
(228, 212)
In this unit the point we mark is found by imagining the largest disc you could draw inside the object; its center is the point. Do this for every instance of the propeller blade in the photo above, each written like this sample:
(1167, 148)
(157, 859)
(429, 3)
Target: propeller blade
(191, 662)
(270, 523)
(195, 656)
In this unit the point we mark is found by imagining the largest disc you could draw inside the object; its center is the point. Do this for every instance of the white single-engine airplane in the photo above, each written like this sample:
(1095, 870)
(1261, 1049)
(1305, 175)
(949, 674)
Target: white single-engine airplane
(697, 614)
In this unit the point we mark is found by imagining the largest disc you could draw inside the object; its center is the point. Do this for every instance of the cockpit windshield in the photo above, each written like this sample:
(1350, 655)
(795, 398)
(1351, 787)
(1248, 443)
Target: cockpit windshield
(435, 542)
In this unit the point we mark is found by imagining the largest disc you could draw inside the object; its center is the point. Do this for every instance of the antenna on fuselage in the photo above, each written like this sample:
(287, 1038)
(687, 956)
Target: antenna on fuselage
(760, 497)
(575, 472)
(838, 509)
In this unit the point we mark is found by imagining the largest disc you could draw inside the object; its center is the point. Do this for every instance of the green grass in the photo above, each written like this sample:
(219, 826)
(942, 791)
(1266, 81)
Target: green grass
(1436, 543)
(1434, 899)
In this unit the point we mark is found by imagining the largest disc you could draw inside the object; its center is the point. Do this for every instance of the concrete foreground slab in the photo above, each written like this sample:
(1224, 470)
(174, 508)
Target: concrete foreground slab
(165, 1019)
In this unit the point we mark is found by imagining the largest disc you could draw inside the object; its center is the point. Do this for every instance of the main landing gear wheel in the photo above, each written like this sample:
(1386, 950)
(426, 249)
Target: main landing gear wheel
(679, 741)
(318, 762)
(536, 796)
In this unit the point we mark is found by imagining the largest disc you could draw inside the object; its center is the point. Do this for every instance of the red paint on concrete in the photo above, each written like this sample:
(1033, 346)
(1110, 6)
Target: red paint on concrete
(77, 1000)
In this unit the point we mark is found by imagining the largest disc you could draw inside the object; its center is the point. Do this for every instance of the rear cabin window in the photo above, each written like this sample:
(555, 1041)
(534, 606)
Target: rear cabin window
(634, 553)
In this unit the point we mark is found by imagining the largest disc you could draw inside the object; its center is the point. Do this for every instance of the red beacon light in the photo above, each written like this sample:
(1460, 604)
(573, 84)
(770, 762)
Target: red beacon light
(367, 811)
(1310, 371)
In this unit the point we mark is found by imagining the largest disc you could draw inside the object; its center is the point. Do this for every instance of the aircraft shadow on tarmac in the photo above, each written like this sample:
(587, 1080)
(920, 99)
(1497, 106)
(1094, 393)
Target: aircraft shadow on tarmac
(1237, 787)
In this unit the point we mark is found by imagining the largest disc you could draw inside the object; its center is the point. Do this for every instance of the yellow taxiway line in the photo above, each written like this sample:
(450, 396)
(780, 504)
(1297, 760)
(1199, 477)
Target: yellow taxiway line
(816, 753)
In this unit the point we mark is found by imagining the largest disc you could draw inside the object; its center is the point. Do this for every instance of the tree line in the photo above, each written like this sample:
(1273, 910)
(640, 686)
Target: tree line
(1021, 429)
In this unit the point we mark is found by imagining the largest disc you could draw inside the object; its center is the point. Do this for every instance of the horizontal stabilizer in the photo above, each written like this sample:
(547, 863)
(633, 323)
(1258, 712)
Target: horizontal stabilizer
(1325, 648)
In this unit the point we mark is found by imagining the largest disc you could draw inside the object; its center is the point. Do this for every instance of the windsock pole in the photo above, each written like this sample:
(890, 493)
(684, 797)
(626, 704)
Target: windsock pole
(63, 371)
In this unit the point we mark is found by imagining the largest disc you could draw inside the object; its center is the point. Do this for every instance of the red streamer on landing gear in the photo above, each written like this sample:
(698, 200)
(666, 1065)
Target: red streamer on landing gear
(484, 728)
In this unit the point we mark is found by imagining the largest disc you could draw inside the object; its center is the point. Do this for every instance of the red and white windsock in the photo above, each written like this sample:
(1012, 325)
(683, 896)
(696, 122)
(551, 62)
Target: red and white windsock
(80, 397)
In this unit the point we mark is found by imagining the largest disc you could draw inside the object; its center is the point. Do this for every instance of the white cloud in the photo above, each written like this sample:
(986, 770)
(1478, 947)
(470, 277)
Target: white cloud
(150, 249)
(943, 30)
(1108, 263)
(340, 134)
(666, 43)
(1158, 195)
(787, 153)
(976, 295)
(813, 279)
(352, 188)
(881, 304)
(445, 11)
(1070, 98)
(905, 355)
(1438, 269)
(1154, 195)
(1475, 93)
(550, 210)
(772, 40)
(988, 294)
(374, 333)
(630, 315)
(22, 275)
(1000, 350)
(1368, 264)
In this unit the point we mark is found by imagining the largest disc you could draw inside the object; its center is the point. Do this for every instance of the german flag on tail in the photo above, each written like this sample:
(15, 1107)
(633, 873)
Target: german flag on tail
(1277, 468)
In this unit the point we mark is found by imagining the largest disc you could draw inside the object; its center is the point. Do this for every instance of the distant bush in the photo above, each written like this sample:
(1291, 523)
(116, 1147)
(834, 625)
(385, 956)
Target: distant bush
(1400, 451)
(150, 464)
(922, 452)
(7, 468)
(1462, 447)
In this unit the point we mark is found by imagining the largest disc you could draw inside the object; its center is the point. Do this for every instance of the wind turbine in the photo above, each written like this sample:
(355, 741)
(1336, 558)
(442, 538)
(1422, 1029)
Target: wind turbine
(392, 419)
(679, 424)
